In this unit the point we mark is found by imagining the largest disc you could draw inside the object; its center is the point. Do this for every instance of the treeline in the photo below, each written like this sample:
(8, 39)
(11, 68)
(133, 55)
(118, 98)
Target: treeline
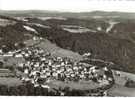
(119, 51)
(13, 36)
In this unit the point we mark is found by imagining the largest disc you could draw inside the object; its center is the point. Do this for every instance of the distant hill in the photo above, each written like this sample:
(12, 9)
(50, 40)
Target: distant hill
(45, 13)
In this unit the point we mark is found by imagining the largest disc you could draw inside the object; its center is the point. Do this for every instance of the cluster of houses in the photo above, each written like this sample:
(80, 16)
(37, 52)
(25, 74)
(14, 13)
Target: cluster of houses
(40, 68)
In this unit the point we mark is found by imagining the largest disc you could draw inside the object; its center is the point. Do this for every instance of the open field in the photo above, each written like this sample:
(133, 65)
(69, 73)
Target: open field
(10, 81)
(118, 90)
(53, 49)
(124, 76)
(57, 51)
(83, 85)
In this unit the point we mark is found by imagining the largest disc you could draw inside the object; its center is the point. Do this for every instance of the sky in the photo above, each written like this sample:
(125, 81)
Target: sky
(69, 5)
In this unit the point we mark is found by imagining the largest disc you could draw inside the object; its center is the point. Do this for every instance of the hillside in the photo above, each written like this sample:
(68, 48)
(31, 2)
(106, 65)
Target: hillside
(116, 48)
(53, 47)
(115, 45)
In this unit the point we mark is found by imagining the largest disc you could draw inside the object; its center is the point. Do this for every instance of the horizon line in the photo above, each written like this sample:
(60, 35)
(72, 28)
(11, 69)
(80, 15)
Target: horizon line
(58, 11)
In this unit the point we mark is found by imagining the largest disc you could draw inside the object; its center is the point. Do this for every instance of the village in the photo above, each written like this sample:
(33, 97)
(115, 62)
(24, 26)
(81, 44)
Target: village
(41, 68)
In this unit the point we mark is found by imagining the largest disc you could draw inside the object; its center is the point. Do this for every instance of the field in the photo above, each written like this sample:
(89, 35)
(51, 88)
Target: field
(57, 51)
(82, 85)
(53, 49)
(124, 76)
(118, 90)
(10, 81)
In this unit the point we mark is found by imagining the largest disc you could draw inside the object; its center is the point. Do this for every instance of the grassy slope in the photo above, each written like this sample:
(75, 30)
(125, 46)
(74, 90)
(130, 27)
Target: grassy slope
(118, 90)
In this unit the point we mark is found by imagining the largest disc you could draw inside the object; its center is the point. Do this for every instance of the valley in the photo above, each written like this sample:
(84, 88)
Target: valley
(58, 40)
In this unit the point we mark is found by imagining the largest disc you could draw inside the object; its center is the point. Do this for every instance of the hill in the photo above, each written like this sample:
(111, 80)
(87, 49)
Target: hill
(115, 46)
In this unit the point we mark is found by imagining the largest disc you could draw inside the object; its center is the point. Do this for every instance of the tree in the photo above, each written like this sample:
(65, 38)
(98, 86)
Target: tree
(30, 88)
(130, 83)
(1, 64)
(13, 91)
(22, 90)
(44, 91)
(3, 90)
(37, 91)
